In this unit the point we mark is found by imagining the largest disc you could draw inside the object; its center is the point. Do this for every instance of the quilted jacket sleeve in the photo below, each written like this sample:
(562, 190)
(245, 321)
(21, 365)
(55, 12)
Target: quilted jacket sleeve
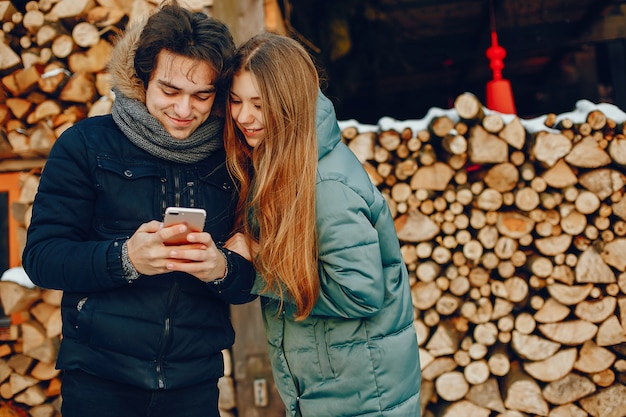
(350, 265)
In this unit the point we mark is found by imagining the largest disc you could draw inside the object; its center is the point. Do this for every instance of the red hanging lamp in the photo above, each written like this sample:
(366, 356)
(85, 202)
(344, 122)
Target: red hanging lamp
(499, 91)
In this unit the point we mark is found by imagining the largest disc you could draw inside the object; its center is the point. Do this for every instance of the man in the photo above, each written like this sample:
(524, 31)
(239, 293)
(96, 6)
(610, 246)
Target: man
(144, 323)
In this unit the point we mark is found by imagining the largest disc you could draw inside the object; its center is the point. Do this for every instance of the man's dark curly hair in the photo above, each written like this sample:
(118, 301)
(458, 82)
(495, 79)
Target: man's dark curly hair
(190, 34)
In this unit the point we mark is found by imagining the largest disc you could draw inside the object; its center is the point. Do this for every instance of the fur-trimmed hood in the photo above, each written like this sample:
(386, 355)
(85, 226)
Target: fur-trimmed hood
(121, 64)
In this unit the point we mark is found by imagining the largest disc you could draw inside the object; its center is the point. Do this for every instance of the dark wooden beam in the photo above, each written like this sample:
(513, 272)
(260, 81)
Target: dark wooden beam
(617, 62)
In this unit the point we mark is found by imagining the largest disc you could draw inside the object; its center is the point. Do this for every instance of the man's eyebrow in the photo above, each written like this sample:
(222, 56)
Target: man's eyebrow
(164, 83)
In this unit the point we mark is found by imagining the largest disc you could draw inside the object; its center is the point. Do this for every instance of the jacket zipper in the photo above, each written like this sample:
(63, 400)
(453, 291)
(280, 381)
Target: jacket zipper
(163, 194)
(167, 324)
(192, 199)
(177, 190)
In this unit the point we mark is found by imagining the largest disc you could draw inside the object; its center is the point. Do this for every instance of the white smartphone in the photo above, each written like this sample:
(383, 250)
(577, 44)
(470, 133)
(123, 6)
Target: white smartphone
(194, 218)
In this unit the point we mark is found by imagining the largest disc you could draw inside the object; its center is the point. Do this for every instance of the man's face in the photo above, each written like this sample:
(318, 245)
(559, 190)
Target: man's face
(180, 93)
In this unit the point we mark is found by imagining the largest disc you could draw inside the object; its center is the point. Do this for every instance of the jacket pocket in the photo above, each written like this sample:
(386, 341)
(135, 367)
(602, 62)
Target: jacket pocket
(217, 196)
(129, 194)
(85, 308)
(326, 368)
(307, 352)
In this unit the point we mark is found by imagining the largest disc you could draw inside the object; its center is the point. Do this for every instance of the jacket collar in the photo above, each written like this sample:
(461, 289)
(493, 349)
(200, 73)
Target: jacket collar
(327, 129)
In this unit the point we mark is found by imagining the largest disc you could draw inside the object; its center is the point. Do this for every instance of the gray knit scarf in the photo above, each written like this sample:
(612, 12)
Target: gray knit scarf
(148, 133)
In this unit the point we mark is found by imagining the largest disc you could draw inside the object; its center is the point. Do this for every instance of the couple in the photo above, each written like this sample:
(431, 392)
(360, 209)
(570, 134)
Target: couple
(246, 135)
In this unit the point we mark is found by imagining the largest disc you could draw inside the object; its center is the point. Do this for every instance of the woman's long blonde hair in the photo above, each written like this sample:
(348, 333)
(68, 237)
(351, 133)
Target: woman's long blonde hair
(277, 177)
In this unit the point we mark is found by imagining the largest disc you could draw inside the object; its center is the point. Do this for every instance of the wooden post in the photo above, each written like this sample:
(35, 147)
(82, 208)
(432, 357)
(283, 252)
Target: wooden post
(244, 18)
(256, 394)
(617, 63)
(9, 183)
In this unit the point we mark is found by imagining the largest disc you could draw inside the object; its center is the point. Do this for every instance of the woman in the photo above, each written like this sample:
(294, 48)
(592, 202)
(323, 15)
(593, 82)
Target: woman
(334, 289)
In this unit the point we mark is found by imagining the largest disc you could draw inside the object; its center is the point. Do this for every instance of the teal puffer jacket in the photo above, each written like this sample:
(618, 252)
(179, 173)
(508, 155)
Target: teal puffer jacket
(356, 354)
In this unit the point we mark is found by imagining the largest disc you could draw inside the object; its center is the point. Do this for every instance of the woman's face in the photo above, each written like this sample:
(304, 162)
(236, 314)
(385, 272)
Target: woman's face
(245, 107)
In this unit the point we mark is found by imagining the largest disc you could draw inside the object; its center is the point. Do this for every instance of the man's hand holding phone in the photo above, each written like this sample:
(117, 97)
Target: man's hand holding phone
(193, 218)
(177, 244)
(193, 251)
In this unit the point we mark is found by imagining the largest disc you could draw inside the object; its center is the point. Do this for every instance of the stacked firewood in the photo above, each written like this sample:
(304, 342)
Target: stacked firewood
(53, 58)
(30, 335)
(514, 234)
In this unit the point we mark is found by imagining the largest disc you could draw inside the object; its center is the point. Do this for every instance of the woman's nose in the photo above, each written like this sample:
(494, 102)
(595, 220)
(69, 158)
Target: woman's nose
(244, 116)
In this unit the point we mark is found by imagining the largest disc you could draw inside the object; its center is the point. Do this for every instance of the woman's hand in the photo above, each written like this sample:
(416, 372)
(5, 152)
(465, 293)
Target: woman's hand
(243, 246)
